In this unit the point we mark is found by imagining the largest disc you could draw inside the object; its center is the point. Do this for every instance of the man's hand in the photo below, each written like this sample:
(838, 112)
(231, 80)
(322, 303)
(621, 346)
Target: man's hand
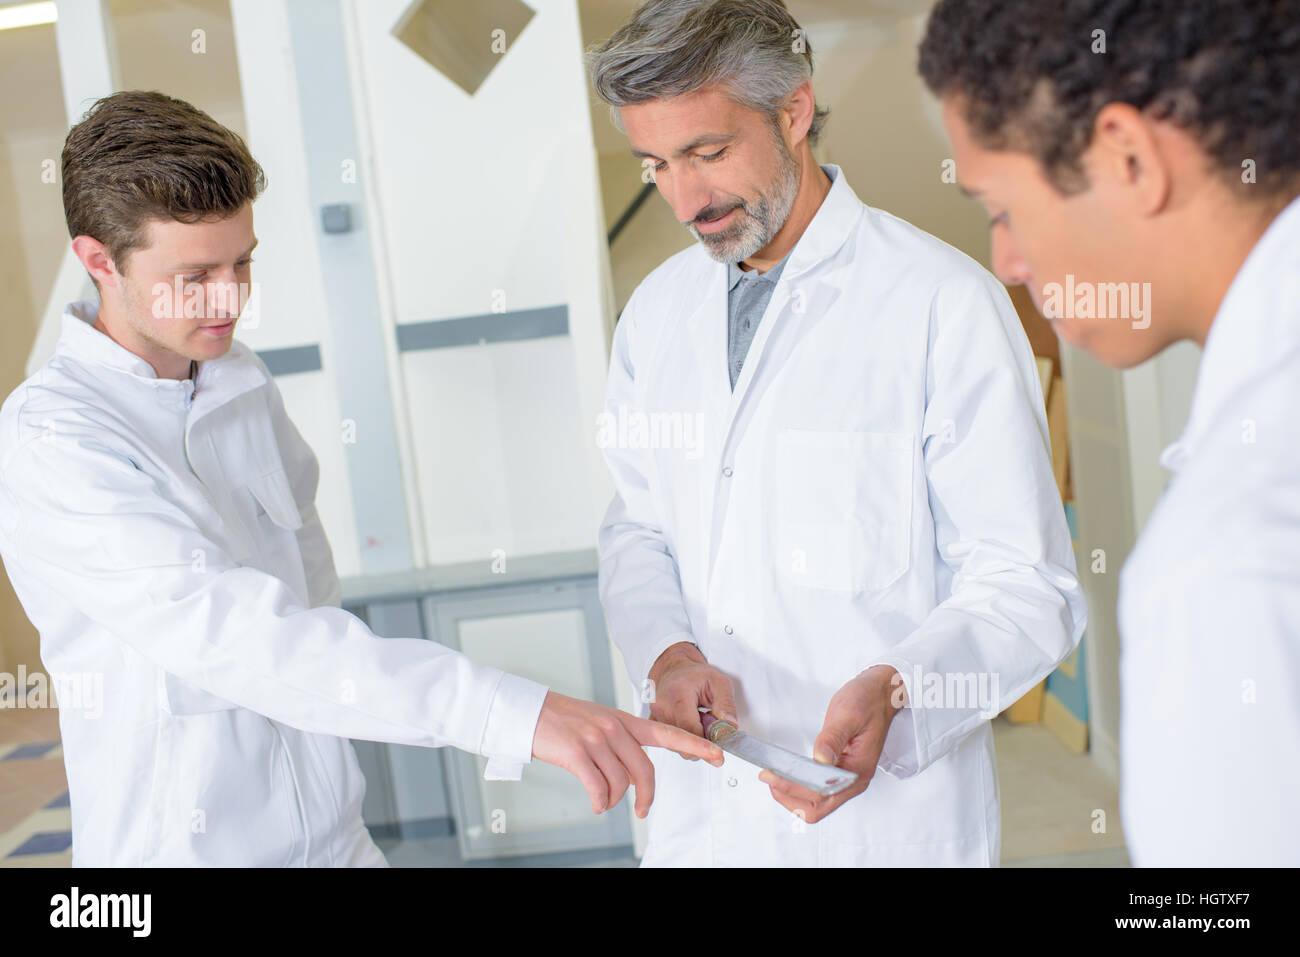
(683, 682)
(852, 737)
(603, 748)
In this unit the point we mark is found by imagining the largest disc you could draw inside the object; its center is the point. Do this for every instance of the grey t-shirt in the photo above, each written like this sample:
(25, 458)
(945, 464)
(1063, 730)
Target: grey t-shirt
(748, 294)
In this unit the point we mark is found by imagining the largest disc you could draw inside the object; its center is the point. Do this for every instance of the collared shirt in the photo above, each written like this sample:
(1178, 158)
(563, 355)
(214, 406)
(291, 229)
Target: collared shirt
(748, 294)
(1209, 600)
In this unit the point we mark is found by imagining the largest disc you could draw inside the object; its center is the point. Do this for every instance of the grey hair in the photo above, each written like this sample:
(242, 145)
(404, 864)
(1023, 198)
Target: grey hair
(754, 48)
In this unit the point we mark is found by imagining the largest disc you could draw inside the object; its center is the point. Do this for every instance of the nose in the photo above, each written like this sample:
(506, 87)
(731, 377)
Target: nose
(687, 193)
(1007, 262)
(224, 296)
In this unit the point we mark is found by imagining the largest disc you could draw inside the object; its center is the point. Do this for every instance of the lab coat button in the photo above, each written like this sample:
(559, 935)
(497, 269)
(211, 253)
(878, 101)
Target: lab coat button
(728, 629)
(732, 782)
(727, 471)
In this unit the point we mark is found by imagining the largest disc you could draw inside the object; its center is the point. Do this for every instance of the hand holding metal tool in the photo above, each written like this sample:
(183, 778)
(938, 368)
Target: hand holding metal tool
(824, 779)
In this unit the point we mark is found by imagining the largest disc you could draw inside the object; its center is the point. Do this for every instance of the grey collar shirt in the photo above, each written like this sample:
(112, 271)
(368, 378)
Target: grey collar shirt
(748, 294)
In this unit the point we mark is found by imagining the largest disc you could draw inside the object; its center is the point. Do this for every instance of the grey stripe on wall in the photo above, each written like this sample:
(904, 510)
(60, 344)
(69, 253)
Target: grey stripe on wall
(294, 359)
(493, 327)
(439, 334)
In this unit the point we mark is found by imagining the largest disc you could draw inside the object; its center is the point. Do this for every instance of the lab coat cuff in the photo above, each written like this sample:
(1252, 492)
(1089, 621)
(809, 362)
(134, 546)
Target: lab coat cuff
(901, 756)
(640, 673)
(511, 724)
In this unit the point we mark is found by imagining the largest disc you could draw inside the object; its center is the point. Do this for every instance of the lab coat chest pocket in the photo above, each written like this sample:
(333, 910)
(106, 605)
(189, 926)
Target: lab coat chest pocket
(843, 508)
(276, 505)
(278, 520)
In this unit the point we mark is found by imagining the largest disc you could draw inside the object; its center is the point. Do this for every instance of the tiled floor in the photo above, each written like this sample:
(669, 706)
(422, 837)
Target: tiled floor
(444, 852)
(1055, 804)
(35, 827)
(1052, 801)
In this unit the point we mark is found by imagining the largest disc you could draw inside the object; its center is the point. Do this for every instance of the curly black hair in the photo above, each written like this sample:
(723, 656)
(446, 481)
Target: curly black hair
(1026, 76)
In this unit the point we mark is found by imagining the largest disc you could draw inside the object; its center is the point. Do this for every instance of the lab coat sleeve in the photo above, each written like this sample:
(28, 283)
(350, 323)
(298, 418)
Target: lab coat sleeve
(325, 589)
(303, 470)
(133, 562)
(1015, 609)
(640, 587)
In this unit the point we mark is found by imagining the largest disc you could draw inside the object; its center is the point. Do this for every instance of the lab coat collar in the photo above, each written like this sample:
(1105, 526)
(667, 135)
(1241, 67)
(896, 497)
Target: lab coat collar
(1247, 331)
(218, 381)
(834, 220)
(80, 338)
(830, 228)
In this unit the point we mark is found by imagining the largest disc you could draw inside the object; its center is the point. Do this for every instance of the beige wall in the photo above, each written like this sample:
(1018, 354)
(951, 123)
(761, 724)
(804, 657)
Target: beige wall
(885, 132)
(31, 242)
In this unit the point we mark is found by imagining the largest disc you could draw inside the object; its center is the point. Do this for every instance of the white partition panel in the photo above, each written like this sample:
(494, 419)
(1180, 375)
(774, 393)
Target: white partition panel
(489, 207)
(554, 796)
(290, 307)
(499, 450)
(312, 403)
(552, 634)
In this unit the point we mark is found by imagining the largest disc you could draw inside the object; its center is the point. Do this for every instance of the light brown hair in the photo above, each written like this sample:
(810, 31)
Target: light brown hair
(139, 156)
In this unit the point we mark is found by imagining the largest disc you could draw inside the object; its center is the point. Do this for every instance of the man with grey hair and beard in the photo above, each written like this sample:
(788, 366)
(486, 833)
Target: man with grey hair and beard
(864, 556)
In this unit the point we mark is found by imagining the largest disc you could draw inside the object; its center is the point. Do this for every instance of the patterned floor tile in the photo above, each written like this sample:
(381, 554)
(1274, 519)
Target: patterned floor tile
(44, 842)
(28, 751)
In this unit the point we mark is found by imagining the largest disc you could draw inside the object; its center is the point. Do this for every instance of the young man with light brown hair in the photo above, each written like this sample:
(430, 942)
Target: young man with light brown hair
(157, 520)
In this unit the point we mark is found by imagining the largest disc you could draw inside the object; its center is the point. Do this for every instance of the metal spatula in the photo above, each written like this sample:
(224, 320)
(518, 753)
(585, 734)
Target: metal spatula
(824, 779)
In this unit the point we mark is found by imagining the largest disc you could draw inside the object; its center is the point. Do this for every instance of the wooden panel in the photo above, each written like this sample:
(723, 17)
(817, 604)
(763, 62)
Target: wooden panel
(1042, 337)
(456, 38)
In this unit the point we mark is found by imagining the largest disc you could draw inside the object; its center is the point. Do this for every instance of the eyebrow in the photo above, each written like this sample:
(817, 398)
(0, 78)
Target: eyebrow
(191, 267)
(709, 139)
(969, 193)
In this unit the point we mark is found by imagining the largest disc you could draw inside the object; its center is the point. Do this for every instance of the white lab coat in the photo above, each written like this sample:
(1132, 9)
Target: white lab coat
(878, 490)
(163, 536)
(1210, 597)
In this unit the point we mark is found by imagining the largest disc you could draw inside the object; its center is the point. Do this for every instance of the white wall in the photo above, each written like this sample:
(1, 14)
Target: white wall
(290, 306)
(487, 203)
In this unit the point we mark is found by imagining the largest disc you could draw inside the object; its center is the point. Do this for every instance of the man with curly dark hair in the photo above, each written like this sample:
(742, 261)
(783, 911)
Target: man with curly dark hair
(1140, 160)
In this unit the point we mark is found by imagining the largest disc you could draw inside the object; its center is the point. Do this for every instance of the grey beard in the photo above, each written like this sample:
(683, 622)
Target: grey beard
(758, 223)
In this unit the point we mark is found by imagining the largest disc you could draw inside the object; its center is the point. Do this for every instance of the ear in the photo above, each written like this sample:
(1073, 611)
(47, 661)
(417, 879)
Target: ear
(797, 113)
(97, 261)
(1126, 157)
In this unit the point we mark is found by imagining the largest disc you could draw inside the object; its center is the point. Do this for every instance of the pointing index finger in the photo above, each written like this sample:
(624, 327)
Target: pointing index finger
(653, 734)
